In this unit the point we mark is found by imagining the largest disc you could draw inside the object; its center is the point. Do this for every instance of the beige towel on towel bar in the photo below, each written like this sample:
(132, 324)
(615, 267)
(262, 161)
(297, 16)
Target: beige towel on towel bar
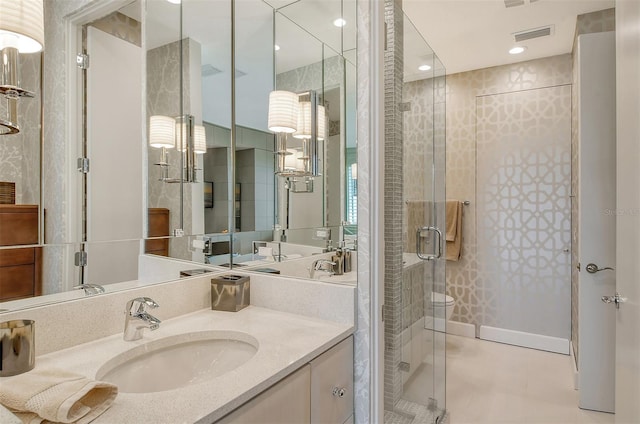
(57, 396)
(454, 229)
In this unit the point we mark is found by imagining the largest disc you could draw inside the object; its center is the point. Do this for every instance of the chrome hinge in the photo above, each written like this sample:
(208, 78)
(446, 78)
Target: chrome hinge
(81, 259)
(82, 60)
(83, 165)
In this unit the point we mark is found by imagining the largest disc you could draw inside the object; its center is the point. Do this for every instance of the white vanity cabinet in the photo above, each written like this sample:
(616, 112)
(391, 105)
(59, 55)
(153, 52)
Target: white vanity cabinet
(332, 384)
(287, 402)
(320, 392)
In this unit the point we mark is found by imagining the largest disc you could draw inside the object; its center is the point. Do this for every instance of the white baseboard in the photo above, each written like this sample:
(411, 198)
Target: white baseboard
(520, 338)
(452, 327)
(574, 367)
(461, 329)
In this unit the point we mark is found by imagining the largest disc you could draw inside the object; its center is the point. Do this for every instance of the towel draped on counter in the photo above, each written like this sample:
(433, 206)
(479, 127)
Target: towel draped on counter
(56, 396)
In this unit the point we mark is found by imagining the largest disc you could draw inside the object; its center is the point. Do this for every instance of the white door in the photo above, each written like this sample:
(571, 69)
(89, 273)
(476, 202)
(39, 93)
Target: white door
(628, 227)
(597, 220)
(114, 145)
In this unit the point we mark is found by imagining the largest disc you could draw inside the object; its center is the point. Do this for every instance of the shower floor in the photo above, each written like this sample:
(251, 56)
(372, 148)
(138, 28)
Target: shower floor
(409, 413)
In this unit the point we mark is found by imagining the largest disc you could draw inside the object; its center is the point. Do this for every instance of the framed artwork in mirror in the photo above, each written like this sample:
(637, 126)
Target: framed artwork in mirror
(208, 194)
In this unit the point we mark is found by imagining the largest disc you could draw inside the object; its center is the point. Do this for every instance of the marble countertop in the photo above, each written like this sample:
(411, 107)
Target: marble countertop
(286, 342)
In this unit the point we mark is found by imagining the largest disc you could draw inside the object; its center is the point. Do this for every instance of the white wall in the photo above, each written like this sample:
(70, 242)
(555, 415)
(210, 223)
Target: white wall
(115, 198)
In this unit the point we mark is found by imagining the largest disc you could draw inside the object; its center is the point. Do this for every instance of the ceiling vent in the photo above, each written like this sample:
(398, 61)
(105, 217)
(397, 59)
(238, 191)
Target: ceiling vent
(533, 33)
(513, 3)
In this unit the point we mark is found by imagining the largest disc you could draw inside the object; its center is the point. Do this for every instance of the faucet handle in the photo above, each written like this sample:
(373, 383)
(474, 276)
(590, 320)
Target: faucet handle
(90, 289)
(138, 304)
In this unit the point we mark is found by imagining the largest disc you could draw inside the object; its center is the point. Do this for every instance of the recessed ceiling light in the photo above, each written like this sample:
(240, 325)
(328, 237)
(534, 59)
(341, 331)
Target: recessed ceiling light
(339, 22)
(276, 47)
(175, 1)
(517, 50)
(424, 67)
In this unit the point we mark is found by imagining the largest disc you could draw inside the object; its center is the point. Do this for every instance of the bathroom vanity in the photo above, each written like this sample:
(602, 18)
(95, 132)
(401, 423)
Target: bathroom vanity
(295, 356)
(299, 370)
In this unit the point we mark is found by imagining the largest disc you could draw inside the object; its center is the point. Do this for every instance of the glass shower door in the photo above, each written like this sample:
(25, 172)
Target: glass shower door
(423, 321)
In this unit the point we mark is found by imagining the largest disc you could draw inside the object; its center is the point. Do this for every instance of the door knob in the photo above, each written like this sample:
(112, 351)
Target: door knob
(593, 268)
(617, 299)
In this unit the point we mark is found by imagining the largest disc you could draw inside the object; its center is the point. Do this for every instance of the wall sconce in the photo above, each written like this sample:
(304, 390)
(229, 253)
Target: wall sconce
(199, 140)
(283, 120)
(162, 135)
(309, 125)
(180, 133)
(21, 31)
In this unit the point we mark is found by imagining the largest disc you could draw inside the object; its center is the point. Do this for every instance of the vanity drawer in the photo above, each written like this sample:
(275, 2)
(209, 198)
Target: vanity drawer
(13, 257)
(18, 224)
(158, 247)
(17, 282)
(20, 273)
(286, 402)
(332, 371)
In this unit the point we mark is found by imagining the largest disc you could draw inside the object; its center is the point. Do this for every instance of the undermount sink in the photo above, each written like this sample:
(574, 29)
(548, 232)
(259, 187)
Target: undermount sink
(178, 361)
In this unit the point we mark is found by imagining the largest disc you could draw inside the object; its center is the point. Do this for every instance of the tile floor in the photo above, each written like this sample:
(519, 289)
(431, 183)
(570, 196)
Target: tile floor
(491, 382)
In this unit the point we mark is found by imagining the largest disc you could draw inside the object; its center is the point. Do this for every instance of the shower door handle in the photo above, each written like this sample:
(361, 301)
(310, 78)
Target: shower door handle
(419, 245)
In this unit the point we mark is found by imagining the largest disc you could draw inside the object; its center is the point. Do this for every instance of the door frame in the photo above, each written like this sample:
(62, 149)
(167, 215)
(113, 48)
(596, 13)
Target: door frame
(628, 211)
(73, 25)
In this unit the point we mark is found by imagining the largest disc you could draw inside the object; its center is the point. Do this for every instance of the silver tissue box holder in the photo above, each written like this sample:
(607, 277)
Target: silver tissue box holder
(230, 293)
(17, 347)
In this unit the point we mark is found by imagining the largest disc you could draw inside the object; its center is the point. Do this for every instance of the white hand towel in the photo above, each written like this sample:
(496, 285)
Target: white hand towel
(56, 395)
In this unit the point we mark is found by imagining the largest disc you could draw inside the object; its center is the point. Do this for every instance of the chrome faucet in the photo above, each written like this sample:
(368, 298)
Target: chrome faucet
(137, 319)
(321, 265)
(90, 289)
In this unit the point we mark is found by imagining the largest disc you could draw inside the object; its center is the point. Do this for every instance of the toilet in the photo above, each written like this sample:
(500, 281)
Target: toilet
(440, 300)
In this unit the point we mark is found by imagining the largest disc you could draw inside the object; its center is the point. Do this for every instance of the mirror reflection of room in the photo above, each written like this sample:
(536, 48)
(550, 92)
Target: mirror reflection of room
(163, 159)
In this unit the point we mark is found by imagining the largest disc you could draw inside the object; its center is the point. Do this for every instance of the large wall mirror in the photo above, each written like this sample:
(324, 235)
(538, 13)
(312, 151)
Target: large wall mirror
(152, 154)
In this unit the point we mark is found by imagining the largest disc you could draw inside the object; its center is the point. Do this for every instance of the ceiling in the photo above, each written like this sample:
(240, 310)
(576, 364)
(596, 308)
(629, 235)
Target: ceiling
(475, 34)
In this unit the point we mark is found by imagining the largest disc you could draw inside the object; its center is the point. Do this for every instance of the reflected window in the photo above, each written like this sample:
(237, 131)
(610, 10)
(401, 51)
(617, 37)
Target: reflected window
(352, 187)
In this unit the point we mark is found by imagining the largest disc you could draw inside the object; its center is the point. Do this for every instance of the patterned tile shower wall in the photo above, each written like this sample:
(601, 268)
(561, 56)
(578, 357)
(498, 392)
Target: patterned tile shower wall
(467, 280)
(393, 205)
(601, 21)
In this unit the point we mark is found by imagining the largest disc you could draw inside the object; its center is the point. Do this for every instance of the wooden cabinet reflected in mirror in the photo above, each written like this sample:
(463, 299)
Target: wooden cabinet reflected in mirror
(20, 268)
(158, 227)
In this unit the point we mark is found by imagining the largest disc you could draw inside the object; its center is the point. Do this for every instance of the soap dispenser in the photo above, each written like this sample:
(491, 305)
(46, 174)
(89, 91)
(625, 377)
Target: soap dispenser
(338, 260)
(347, 260)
